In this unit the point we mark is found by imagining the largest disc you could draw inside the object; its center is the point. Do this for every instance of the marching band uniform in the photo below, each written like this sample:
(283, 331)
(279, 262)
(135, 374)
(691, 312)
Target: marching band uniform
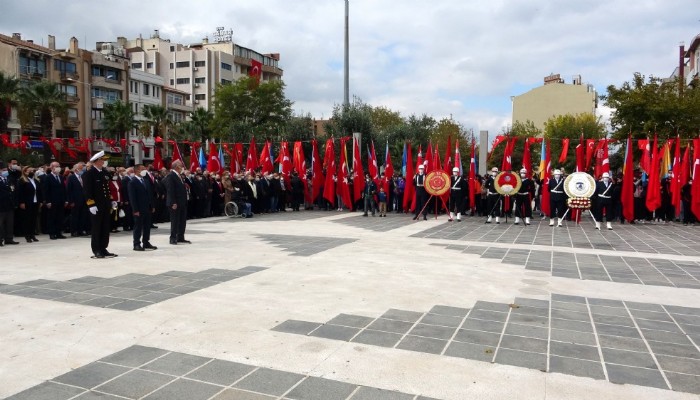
(604, 192)
(421, 194)
(523, 199)
(458, 191)
(557, 198)
(493, 199)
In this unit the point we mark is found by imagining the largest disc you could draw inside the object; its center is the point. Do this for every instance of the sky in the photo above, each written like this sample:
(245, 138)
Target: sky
(462, 59)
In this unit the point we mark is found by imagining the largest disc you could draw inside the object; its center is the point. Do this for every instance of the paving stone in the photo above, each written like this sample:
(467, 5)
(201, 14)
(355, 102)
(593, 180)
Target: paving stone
(658, 325)
(40, 293)
(526, 310)
(129, 305)
(684, 383)
(377, 338)
(622, 343)
(568, 299)
(612, 320)
(489, 315)
(313, 388)
(103, 301)
(576, 337)
(269, 381)
(441, 320)
(185, 389)
(629, 358)
(612, 311)
(677, 350)
(235, 394)
(449, 311)
(221, 372)
(571, 366)
(156, 297)
(666, 337)
(335, 332)
(134, 356)
(36, 282)
(687, 319)
(650, 315)
(96, 396)
(574, 351)
(531, 320)
(521, 359)
(177, 364)
(77, 298)
(91, 375)
(48, 391)
(470, 351)
(367, 393)
(560, 305)
(135, 384)
(491, 306)
(635, 376)
(432, 331)
(571, 315)
(678, 364)
(477, 337)
(295, 326)
(525, 344)
(7, 289)
(683, 310)
(402, 315)
(616, 330)
(481, 325)
(421, 344)
(527, 331)
(355, 321)
(388, 325)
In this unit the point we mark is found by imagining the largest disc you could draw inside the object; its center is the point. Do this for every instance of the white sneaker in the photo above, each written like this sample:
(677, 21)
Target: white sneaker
(551, 222)
(497, 221)
(559, 223)
(609, 226)
(459, 216)
(452, 215)
(488, 220)
(597, 225)
(527, 221)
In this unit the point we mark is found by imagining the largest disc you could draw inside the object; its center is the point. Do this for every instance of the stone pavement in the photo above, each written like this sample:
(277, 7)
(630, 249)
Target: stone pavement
(330, 305)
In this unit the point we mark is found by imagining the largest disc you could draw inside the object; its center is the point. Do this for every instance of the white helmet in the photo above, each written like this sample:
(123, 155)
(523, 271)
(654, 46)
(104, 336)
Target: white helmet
(494, 169)
(557, 172)
(523, 171)
(421, 166)
(455, 169)
(606, 175)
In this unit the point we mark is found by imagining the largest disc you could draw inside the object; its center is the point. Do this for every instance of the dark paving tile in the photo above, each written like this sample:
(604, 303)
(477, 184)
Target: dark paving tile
(402, 315)
(524, 344)
(367, 393)
(612, 311)
(157, 297)
(679, 364)
(134, 356)
(235, 394)
(421, 344)
(491, 306)
(570, 366)
(629, 358)
(622, 343)
(441, 320)
(526, 310)
(571, 315)
(684, 383)
(635, 376)
(574, 351)
(658, 325)
(432, 331)
(568, 306)
(489, 315)
(313, 388)
(616, 330)
(335, 332)
(96, 396)
(91, 375)
(671, 349)
(295, 326)
(521, 359)
(388, 325)
(531, 320)
(184, 389)
(177, 364)
(527, 331)
(269, 381)
(478, 337)
(77, 298)
(449, 311)
(47, 391)
(355, 321)
(568, 299)
(683, 310)
(129, 305)
(377, 338)
(666, 337)
(104, 301)
(470, 351)
(221, 372)
(481, 325)
(36, 282)
(135, 384)
(612, 320)
(650, 315)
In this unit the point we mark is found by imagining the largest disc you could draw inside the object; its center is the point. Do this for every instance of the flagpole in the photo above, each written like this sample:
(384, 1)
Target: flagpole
(346, 97)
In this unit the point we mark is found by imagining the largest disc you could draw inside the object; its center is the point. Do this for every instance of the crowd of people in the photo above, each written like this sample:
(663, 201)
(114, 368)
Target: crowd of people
(51, 199)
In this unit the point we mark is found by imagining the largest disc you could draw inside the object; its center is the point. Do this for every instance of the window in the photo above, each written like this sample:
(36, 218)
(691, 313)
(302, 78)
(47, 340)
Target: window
(136, 65)
(238, 69)
(172, 65)
(172, 48)
(176, 116)
(226, 66)
(32, 66)
(107, 73)
(72, 113)
(69, 90)
(225, 82)
(172, 82)
(176, 99)
(64, 66)
(136, 108)
(97, 114)
(183, 81)
(200, 80)
(183, 64)
(200, 96)
(156, 92)
(200, 63)
(146, 89)
(149, 65)
(135, 87)
(108, 95)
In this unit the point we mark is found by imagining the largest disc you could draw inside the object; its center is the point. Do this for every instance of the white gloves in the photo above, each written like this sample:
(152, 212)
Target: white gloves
(93, 210)
(114, 205)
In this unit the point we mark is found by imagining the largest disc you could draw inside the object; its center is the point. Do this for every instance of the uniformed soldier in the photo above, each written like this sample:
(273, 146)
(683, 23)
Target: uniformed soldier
(557, 198)
(458, 191)
(421, 194)
(99, 201)
(604, 191)
(493, 198)
(523, 199)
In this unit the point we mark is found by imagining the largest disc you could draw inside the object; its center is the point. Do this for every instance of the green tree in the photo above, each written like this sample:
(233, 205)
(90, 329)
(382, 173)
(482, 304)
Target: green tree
(9, 93)
(201, 122)
(119, 119)
(521, 130)
(183, 131)
(571, 127)
(43, 100)
(158, 119)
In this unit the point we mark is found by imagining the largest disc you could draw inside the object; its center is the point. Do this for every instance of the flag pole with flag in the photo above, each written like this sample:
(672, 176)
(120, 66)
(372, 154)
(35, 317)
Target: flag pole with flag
(627, 195)
(331, 172)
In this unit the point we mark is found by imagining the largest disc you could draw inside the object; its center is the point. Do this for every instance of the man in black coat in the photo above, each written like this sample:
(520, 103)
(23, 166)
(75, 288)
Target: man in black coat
(7, 207)
(523, 199)
(557, 198)
(604, 195)
(99, 201)
(141, 200)
(76, 200)
(368, 194)
(176, 202)
(55, 201)
(458, 193)
(421, 194)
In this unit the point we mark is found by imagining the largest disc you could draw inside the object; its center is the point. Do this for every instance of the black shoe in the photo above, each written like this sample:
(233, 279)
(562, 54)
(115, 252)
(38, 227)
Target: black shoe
(425, 218)
(364, 215)
(99, 255)
(154, 227)
(108, 254)
(184, 241)
(149, 246)
(61, 237)
(415, 218)
(138, 248)
(74, 234)
(35, 239)
(53, 237)
(29, 240)
(173, 242)
(11, 242)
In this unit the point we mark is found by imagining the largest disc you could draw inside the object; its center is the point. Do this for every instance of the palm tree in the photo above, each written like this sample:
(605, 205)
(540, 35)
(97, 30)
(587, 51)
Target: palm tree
(45, 100)
(9, 92)
(158, 118)
(201, 120)
(119, 119)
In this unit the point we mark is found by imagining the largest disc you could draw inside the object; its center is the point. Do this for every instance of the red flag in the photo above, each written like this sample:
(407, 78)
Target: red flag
(408, 190)
(317, 171)
(372, 165)
(645, 162)
(654, 187)
(194, 160)
(251, 163)
(428, 159)
(358, 174)
(627, 195)
(265, 161)
(236, 158)
(527, 161)
(447, 167)
(676, 183)
(580, 156)
(495, 144)
(255, 70)
(158, 159)
(458, 158)
(436, 164)
(547, 173)
(695, 189)
(331, 171)
(299, 165)
(472, 176)
(213, 163)
(590, 150)
(388, 165)
(564, 150)
(176, 153)
(507, 164)
(343, 179)
(285, 161)
(606, 160)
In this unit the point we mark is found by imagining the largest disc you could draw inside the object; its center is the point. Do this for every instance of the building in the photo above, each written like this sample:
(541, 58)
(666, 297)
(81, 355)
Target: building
(691, 67)
(145, 89)
(554, 98)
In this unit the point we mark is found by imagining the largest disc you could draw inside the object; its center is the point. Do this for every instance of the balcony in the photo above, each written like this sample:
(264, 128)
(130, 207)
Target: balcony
(69, 76)
(72, 122)
(692, 74)
(32, 72)
(108, 82)
(71, 98)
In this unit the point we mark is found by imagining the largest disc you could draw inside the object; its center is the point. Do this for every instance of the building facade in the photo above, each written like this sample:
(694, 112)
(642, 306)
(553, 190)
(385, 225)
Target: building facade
(554, 98)
(145, 89)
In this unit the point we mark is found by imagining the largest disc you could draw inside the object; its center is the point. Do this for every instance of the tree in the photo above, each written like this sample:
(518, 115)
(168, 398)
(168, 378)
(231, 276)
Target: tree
(43, 100)
(355, 117)
(571, 127)
(245, 108)
(118, 119)
(521, 130)
(9, 93)
(158, 118)
(183, 131)
(201, 121)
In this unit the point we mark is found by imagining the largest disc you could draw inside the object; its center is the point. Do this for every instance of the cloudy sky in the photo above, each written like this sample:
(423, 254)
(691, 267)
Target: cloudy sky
(459, 58)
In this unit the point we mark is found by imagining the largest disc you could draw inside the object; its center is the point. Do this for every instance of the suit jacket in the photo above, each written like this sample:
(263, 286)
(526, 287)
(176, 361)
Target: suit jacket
(7, 196)
(74, 190)
(139, 195)
(175, 191)
(26, 192)
(125, 188)
(54, 190)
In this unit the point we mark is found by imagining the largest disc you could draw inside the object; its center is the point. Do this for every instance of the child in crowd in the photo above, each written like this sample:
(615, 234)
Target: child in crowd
(382, 202)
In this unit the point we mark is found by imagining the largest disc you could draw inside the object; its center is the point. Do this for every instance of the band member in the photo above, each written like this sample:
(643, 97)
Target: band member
(458, 191)
(557, 198)
(494, 204)
(604, 191)
(523, 199)
(99, 201)
(421, 194)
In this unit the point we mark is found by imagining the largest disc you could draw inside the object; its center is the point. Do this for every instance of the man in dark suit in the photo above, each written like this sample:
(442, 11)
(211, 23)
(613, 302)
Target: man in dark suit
(7, 207)
(128, 222)
(76, 200)
(55, 201)
(99, 201)
(176, 202)
(141, 200)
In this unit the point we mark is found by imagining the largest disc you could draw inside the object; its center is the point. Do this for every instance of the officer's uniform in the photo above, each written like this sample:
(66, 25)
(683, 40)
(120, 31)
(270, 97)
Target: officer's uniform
(604, 193)
(557, 200)
(97, 194)
(523, 200)
(421, 195)
(494, 205)
(458, 192)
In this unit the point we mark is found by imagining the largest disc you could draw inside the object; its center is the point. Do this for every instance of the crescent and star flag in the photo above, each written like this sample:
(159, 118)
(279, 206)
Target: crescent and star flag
(388, 168)
(645, 162)
(472, 176)
(158, 159)
(435, 164)
(213, 165)
(606, 158)
(447, 167)
(495, 144)
(408, 190)
(176, 153)
(331, 172)
(285, 161)
(194, 161)
(546, 174)
(590, 150)
(265, 159)
(653, 200)
(507, 164)
(458, 158)
(237, 158)
(695, 189)
(580, 156)
(358, 174)
(527, 162)
(419, 162)
(251, 163)
(255, 70)
(202, 158)
(564, 150)
(428, 159)
(627, 195)
(317, 171)
(372, 164)
(343, 180)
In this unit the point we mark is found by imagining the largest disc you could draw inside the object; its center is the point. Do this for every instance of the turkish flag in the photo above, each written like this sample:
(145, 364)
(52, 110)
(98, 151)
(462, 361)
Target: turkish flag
(645, 162)
(331, 172)
(265, 160)
(627, 195)
(546, 174)
(564, 150)
(695, 189)
(654, 187)
(527, 161)
(388, 167)
(176, 153)
(408, 179)
(194, 160)
(285, 161)
(590, 150)
(372, 165)
(428, 159)
(255, 70)
(158, 159)
(448, 157)
(317, 171)
(213, 163)
(676, 184)
(251, 163)
(358, 175)
(343, 179)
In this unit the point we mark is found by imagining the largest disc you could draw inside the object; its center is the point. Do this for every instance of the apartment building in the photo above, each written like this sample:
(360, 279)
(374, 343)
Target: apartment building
(145, 89)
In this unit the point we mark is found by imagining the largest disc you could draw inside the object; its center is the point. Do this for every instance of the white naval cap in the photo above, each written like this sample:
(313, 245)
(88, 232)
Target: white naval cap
(97, 156)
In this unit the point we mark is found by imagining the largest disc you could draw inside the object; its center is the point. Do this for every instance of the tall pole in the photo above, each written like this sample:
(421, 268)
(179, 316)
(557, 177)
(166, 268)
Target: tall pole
(346, 98)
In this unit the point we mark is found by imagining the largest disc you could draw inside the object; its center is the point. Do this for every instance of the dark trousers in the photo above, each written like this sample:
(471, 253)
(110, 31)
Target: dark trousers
(100, 229)
(557, 207)
(142, 227)
(523, 206)
(494, 205)
(55, 219)
(128, 221)
(7, 226)
(79, 218)
(369, 204)
(421, 199)
(28, 219)
(456, 202)
(608, 206)
(178, 223)
(688, 217)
